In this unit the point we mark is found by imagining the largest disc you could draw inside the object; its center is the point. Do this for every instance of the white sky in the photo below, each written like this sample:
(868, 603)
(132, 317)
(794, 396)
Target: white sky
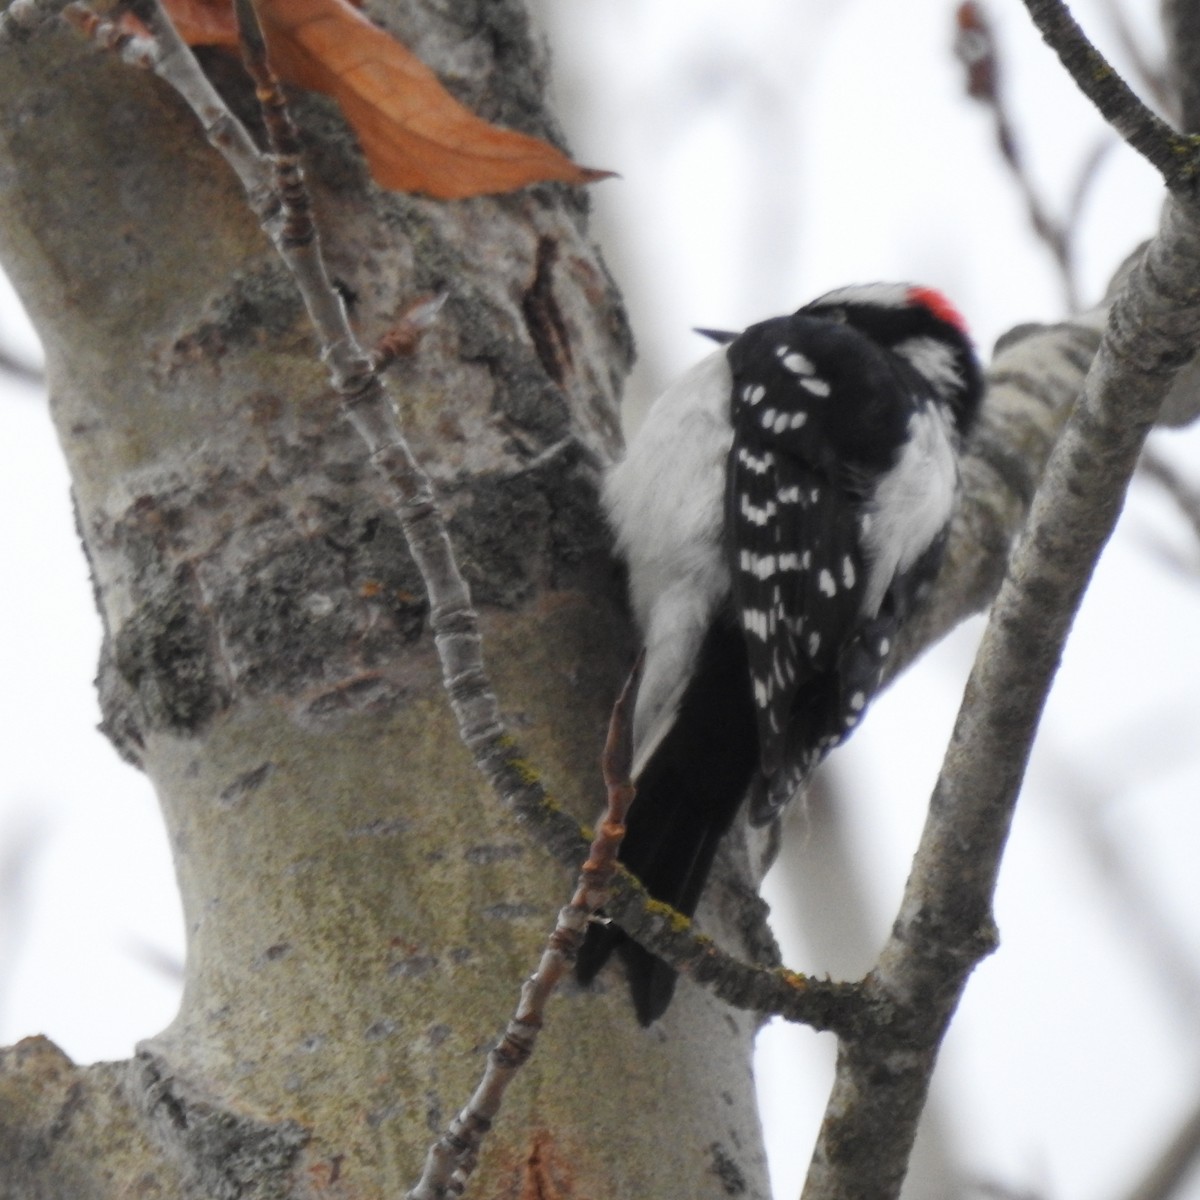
(768, 150)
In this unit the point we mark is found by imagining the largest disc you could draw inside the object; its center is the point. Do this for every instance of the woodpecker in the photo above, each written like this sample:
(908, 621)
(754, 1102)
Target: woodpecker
(780, 511)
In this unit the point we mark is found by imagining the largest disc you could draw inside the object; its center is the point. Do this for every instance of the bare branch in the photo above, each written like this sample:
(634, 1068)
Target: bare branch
(1088, 173)
(976, 48)
(1175, 156)
(286, 214)
(405, 336)
(1181, 21)
(945, 924)
(1152, 75)
(166, 54)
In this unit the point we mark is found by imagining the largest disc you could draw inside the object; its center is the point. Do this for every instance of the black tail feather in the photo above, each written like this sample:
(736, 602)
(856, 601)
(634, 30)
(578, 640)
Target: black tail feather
(687, 796)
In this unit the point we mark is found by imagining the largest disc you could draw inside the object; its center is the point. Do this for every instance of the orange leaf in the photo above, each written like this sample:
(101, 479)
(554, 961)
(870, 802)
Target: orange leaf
(204, 22)
(415, 135)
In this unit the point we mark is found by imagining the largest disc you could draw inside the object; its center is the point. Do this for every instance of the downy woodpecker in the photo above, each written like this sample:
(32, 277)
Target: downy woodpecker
(780, 511)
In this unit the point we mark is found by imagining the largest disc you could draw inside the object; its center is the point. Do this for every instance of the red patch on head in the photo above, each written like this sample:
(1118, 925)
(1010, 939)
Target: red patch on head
(938, 305)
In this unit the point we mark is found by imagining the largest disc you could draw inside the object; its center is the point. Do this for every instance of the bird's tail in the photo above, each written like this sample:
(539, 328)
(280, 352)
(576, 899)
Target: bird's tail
(687, 796)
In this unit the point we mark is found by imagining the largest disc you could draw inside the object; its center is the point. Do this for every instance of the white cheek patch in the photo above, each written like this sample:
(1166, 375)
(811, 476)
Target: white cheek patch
(912, 503)
(934, 360)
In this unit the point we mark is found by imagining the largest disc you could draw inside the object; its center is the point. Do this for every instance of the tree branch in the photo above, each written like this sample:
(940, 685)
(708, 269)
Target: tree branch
(1153, 76)
(976, 47)
(1181, 20)
(945, 923)
(1175, 156)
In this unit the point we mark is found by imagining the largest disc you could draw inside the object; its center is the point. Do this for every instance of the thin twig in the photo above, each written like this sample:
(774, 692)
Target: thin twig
(167, 55)
(945, 923)
(453, 1156)
(1153, 76)
(1086, 176)
(977, 49)
(403, 338)
(372, 413)
(1181, 30)
(1174, 155)
(132, 49)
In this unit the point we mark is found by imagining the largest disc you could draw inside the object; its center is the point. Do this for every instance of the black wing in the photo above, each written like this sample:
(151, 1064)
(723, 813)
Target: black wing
(815, 425)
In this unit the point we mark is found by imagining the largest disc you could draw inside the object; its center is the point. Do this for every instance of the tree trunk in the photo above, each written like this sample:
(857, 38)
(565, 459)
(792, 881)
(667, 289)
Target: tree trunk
(360, 910)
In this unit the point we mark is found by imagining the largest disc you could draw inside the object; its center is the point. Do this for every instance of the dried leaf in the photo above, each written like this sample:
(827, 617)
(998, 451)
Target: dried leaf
(416, 136)
(204, 22)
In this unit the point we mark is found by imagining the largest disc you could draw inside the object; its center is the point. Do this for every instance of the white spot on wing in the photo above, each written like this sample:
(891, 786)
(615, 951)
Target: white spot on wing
(797, 363)
(752, 462)
(754, 621)
(826, 584)
(754, 514)
(764, 567)
(818, 387)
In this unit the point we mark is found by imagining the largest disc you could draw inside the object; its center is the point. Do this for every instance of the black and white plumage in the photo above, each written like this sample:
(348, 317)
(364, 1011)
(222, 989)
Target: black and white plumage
(780, 510)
